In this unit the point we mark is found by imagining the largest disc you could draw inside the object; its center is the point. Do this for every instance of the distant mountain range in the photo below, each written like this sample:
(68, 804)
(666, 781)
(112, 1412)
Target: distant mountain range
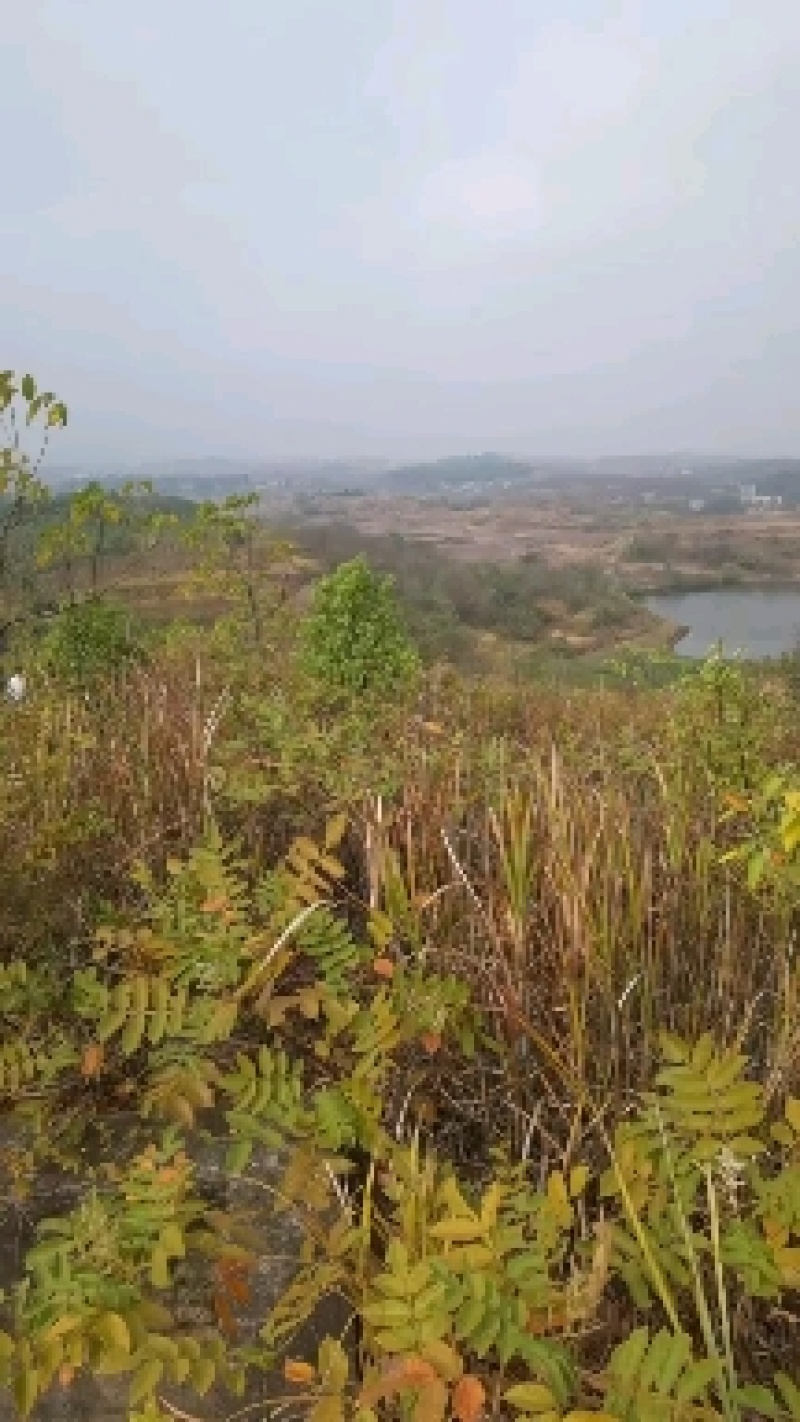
(481, 473)
(207, 476)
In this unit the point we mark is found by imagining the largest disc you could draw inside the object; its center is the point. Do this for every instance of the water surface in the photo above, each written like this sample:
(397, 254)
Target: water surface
(755, 622)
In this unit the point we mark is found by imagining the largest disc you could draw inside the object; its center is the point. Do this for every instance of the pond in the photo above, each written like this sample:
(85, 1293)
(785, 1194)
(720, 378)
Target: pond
(756, 622)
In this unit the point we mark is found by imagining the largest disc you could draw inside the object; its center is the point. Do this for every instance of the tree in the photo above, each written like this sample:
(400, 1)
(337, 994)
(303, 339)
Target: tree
(354, 638)
(83, 534)
(237, 556)
(22, 493)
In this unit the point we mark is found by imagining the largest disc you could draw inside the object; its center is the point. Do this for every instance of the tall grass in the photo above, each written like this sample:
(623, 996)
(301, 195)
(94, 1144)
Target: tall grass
(562, 853)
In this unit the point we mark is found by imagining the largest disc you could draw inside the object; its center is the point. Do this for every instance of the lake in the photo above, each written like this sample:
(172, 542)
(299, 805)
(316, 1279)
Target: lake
(757, 622)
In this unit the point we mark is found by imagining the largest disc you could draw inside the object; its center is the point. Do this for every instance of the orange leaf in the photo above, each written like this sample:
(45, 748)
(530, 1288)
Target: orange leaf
(431, 1041)
(297, 1372)
(217, 905)
(417, 1372)
(92, 1060)
(468, 1398)
(383, 968)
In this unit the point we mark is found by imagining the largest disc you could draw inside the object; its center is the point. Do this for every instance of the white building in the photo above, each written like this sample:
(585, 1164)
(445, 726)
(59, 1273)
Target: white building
(754, 500)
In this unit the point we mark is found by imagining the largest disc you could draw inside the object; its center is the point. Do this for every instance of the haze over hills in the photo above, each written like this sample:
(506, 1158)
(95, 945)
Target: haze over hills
(213, 475)
(487, 474)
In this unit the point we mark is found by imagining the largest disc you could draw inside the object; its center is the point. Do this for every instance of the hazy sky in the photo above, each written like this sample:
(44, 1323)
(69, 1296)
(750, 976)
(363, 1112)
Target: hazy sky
(405, 227)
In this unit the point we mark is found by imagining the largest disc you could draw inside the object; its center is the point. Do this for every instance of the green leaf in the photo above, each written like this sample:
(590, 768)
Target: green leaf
(760, 1399)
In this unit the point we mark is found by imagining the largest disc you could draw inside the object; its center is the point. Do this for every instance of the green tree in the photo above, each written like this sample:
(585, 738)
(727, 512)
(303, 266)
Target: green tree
(96, 523)
(354, 638)
(90, 639)
(237, 557)
(22, 493)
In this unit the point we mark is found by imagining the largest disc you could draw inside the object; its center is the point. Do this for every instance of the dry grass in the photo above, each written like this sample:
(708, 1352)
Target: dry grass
(562, 853)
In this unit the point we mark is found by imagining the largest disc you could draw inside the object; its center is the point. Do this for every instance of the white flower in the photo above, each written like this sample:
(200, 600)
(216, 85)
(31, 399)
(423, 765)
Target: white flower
(16, 687)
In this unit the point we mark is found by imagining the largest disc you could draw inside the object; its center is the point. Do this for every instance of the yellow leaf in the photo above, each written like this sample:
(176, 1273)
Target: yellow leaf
(334, 831)
(202, 1373)
(578, 1180)
(444, 1359)
(333, 1363)
(115, 1361)
(309, 1003)
(66, 1324)
(159, 1269)
(172, 1241)
(792, 1112)
(490, 1204)
(451, 1196)
(590, 1417)
(26, 1388)
(559, 1199)
(472, 1256)
(776, 1233)
(113, 1330)
(328, 1409)
(146, 1379)
(788, 1261)
(530, 1397)
(454, 1231)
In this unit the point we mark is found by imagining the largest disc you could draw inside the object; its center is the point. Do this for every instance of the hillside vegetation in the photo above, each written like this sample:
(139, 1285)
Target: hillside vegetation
(502, 980)
(453, 608)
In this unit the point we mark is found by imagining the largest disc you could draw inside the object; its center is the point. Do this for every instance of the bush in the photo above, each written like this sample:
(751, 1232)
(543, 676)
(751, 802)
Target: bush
(91, 639)
(354, 638)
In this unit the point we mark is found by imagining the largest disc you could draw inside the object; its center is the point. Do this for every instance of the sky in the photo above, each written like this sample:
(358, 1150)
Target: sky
(404, 228)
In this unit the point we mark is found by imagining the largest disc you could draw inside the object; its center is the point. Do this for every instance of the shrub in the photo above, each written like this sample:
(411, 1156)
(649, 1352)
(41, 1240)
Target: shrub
(90, 639)
(354, 638)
